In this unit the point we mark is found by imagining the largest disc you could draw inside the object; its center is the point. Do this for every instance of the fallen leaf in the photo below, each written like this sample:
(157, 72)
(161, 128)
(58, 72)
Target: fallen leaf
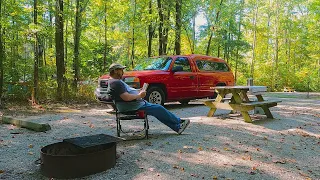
(302, 174)
(30, 153)
(215, 177)
(175, 166)
(1, 171)
(91, 125)
(215, 149)
(226, 149)
(246, 157)
(281, 161)
(151, 169)
(30, 146)
(200, 148)
(291, 160)
(194, 175)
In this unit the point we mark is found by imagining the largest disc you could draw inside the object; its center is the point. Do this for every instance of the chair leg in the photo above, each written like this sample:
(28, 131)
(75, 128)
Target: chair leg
(118, 127)
(146, 127)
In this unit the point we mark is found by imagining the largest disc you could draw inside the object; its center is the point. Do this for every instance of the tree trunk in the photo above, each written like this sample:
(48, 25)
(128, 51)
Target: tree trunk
(36, 57)
(209, 43)
(189, 40)
(276, 47)
(66, 24)
(177, 46)
(59, 48)
(166, 32)
(212, 29)
(133, 26)
(318, 75)
(77, 34)
(105, 39)
(150, 30)
(238, 39)
(193, 31)
(2, 54)
(51, 22)
(254, 40)
(160, 12)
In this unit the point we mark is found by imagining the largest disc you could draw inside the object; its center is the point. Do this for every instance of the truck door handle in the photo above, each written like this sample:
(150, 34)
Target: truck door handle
(191, 77)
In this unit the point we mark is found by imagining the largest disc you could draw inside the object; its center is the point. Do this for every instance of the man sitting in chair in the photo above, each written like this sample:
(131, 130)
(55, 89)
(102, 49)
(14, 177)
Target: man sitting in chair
(130, 99)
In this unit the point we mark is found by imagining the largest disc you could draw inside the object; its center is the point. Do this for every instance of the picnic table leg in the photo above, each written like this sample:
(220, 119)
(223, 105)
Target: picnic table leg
(244, 96)
(267, 111)
(265, 108)
(212, 109)
(246, 116)
(233, 102)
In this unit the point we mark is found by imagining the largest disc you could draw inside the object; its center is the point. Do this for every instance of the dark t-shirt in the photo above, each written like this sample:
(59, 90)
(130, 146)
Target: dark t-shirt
(118, 87)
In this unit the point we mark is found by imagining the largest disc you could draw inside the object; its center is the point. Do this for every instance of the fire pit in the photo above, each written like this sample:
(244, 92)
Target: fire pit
(78, 157)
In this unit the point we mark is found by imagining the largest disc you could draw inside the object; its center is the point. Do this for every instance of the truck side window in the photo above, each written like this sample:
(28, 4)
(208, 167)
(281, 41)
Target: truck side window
(184, 62)
(210, 66)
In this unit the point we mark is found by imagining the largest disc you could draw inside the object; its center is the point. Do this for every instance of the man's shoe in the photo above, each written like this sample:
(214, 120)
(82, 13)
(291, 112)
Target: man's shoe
(183, 125)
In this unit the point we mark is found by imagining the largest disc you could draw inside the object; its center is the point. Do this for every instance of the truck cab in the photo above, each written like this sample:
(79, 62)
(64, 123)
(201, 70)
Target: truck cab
(175, 78)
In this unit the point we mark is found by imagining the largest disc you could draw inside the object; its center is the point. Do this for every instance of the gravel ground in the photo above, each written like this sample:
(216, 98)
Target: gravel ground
(219, 147)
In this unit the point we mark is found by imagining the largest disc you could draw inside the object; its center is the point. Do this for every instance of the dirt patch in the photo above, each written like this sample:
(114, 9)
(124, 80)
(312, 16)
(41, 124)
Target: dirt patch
(219, 147)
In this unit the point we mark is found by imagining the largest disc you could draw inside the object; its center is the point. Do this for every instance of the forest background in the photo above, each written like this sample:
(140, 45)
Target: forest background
(57, 49)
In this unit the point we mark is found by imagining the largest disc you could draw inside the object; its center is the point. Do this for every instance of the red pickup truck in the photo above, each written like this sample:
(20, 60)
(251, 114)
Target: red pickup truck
(175, 78)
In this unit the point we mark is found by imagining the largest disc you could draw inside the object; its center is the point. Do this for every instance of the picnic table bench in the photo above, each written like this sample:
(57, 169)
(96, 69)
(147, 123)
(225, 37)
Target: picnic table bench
(240, 101)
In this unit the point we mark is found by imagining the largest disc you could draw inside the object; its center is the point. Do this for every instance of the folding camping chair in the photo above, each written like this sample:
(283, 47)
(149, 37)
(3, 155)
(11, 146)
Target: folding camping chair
(129, 115)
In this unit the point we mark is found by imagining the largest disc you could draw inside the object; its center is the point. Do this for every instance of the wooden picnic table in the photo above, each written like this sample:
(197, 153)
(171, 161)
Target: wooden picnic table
(240, 101)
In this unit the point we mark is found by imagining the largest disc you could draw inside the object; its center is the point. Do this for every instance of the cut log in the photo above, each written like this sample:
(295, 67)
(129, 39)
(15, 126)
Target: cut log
(26, 124)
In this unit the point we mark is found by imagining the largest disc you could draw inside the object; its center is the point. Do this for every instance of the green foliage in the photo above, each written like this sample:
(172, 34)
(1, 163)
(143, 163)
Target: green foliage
(286, 51)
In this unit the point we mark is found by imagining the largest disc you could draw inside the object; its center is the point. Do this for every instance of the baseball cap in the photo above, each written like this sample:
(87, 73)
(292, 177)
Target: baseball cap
(115, 66)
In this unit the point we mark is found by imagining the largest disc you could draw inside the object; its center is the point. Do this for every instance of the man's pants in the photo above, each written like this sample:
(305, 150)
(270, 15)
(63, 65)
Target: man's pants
(163, 115)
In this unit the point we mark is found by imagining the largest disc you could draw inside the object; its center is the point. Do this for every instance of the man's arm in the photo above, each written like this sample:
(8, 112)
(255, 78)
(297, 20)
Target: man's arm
(129, 97)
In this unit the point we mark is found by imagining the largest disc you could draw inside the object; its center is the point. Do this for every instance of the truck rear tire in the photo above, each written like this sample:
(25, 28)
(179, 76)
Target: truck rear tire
(155, 95)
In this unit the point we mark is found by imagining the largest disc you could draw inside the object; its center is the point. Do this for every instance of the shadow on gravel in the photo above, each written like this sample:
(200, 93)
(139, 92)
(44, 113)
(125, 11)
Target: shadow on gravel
(181, 106)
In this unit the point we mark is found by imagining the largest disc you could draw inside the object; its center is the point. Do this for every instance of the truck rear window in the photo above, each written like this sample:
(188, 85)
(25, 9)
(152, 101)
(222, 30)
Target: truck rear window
(209, 66)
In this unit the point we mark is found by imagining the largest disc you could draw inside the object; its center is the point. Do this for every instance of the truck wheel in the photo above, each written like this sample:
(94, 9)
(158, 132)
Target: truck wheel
(155, 95)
